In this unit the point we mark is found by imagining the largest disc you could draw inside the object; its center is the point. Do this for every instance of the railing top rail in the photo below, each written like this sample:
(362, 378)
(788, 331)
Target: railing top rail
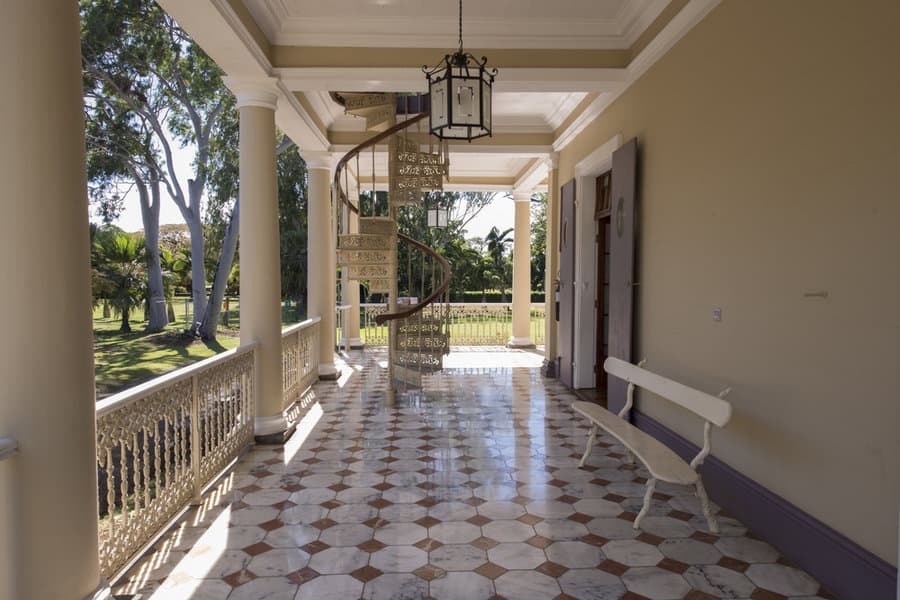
(445, 284)
(302, 325)
(124, 398)
(338, 170)
(8, 448)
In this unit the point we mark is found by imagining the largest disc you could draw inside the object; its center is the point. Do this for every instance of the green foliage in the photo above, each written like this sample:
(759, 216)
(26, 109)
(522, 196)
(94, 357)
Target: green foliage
(120, 273)
(538, 240)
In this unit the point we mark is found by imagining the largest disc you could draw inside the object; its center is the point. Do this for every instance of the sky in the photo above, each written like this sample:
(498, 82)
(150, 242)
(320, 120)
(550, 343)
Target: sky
(500, 212)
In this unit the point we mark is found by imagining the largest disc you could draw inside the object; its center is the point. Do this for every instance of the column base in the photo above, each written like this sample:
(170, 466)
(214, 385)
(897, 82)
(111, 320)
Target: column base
(272, 430)
(356, 343)
(549, 369)
(520, 342)
(329, 372)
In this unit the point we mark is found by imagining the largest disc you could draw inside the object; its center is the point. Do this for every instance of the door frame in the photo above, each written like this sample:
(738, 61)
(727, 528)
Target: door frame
(585, 343)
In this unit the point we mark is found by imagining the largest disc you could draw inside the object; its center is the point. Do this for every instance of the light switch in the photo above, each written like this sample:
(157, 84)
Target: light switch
(717, 313)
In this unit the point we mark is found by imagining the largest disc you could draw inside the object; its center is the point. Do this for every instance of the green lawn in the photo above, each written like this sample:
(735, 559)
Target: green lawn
(125, 360)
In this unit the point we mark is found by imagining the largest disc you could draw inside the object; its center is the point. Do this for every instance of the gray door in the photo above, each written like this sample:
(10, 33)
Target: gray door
(566, 329)
(621, 273)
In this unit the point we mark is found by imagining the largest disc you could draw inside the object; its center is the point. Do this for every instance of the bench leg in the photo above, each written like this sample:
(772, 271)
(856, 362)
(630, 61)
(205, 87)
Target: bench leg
(704, 504)
(590, 445)
(651, 485)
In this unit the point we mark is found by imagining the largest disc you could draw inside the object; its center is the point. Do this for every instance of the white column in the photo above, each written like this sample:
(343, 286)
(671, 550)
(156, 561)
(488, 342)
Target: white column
(46, 363)
(260, 252)
(551, 261)
(521, 304)
(352, 295)
(321, 268)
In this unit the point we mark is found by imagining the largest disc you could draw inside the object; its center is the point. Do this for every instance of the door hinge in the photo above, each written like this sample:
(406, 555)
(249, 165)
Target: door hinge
(596, 304)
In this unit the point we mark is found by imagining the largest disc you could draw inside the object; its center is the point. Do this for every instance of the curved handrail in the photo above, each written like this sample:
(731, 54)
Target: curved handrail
(434, 295)
(342, 196)
(342, 163)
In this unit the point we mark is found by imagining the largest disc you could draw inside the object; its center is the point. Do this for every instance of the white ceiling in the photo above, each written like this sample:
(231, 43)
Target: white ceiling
(434, 23)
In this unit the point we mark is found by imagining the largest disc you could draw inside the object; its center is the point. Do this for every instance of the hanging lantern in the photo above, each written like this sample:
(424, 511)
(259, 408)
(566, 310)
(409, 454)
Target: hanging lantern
(460, 93)
(438, 217)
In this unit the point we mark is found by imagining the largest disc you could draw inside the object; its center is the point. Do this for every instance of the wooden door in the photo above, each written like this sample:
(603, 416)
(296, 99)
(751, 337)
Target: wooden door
(621, 268)
(566, 328)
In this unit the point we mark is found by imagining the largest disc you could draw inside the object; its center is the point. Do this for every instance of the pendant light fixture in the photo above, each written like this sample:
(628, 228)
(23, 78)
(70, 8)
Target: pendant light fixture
(460, 89)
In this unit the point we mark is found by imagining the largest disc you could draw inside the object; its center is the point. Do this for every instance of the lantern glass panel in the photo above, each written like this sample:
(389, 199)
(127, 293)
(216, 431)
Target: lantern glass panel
(438, 91)
(488, 109)
(467, 101)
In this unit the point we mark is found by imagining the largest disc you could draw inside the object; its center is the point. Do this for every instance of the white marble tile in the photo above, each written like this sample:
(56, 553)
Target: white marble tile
(454, 532)
(613, 529)
(598, 507)
(291, 536)
(550, 509)
(508, 531)
(278, 562)
(334, 561)
(526, 585)
(632, 553)
(458, 557)
(574, 555)
(516, 556)
(330, 587)
(303, 514)
(501, 509)
(403, 513)
(462, 586)
(400, 533)
(690, 551)
(396, 586)
(747, 550)
(782, 579)
(215, 563)
(348, 534)
(591, 584)
(398, 559)
(265, 588)
(719, 581)
(656, 583)
(561, 529)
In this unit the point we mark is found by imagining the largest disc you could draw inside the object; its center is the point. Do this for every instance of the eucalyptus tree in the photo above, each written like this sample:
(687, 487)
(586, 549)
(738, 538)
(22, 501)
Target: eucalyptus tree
(136, 57)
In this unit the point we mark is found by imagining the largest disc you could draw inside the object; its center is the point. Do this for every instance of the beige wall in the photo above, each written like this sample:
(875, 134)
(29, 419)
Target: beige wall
(770, 167)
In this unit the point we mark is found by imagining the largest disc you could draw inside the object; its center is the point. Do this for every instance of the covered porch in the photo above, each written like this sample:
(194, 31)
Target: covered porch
(468, 488)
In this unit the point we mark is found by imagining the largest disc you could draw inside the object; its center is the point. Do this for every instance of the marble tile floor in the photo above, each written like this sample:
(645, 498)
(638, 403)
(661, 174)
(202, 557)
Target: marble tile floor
(468, 489)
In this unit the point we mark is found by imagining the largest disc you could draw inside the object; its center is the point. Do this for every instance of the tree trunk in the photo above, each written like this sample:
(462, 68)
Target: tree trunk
(170, 309)
(227, 308)
(223, 270)
(156, 297)
(126, 326)
(106, 313)
(198, 272)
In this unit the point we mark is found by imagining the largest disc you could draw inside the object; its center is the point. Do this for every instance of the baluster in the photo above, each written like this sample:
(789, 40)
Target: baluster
(195, 439)
(110, 493)
(135, 470)
(146, 467)
(166, 481)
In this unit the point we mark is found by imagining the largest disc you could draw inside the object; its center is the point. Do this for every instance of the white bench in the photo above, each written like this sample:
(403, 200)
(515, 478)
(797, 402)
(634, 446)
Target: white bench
(660, 460)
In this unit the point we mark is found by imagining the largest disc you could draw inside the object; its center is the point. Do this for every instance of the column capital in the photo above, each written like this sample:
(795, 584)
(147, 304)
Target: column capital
(552, 160)
(261, 92)
(318, 160)
(522, 195)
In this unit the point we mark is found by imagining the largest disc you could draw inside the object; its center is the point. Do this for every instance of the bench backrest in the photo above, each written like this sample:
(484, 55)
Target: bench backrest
(711, 408)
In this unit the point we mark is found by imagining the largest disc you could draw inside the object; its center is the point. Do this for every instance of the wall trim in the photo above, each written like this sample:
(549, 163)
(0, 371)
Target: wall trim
(844, 567)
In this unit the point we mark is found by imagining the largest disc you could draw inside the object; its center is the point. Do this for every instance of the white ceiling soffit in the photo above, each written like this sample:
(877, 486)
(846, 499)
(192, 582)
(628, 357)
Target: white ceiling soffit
(597, 24)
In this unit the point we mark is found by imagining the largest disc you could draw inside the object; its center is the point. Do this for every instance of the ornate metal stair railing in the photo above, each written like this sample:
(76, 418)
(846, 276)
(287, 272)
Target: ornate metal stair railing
(418, 332)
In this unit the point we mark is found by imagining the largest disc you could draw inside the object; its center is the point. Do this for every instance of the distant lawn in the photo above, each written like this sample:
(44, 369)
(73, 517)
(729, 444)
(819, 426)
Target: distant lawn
(122, 361)
(125, 360)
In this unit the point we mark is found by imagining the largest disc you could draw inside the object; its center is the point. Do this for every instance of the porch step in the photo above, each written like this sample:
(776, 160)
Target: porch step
(365, 241)
(378, 109)
(426, 362)
(438, 342)
(379, 286)
(355, 257)
(377, 226)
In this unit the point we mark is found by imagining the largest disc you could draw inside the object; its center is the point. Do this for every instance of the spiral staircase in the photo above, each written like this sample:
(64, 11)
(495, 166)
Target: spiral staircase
(418, 328)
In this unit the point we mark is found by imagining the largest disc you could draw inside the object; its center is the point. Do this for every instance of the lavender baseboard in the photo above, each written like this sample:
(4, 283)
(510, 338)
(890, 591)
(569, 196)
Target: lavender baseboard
(842, 566)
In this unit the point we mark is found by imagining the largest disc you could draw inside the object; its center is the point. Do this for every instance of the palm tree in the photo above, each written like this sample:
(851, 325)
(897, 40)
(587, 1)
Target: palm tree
(123, 269)
(496, 247)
